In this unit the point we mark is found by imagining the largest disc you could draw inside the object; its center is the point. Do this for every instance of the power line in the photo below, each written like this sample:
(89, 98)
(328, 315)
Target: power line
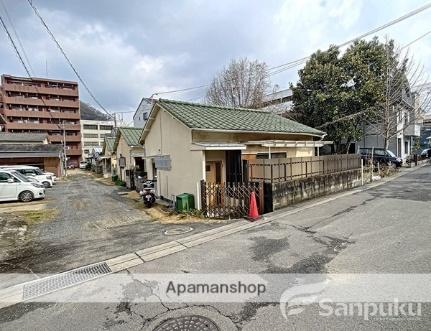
(67, 58)
(366, 34)
(14, 46)
(181, 90)
(417, 39)
(289, 65)
(16, 35)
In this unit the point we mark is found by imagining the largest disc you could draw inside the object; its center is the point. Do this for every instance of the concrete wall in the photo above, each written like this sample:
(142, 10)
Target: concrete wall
(287, 193)
(170, 137)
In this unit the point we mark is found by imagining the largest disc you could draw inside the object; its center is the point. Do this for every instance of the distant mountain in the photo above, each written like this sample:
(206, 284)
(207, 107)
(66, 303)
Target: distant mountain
(90, 113)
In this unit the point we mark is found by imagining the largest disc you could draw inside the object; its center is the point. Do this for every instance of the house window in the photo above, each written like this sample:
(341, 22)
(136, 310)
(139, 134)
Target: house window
(106, 127)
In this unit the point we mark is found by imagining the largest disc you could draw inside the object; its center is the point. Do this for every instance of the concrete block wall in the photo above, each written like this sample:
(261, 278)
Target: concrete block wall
(290, 192)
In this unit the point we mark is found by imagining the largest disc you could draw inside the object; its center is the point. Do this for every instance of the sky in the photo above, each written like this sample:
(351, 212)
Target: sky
(130, 49)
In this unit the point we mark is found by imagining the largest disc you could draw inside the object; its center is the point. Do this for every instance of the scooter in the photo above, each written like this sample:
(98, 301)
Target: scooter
(148, 193)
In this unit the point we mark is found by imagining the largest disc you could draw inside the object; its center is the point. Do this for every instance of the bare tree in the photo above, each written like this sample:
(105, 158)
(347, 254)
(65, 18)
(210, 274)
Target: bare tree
(403, 102)
(242, 84)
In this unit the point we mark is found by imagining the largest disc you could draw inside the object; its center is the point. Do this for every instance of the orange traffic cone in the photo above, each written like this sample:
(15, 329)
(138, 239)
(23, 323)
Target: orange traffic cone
(253, 213)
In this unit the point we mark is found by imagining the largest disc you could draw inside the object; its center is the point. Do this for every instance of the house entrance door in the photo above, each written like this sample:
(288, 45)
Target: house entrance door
(213, 172)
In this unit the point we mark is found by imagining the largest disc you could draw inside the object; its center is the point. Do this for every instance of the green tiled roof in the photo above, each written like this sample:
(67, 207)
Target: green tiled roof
(207, 117)
(130, 135)
(109, 144)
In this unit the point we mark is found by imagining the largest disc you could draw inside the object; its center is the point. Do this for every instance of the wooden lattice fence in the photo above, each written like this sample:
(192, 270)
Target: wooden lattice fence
(289, 169)
(223, 200)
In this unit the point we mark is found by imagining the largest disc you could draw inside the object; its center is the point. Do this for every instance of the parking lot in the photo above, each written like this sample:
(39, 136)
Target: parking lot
(82, 220)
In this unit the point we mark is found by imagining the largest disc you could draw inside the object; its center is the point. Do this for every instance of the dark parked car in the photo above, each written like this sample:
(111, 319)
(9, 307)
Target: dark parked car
(380, 155)
(426, 153)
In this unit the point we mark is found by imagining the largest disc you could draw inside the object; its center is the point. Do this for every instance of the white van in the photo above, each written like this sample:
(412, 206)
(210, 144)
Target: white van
(14, 186)
(34, 172)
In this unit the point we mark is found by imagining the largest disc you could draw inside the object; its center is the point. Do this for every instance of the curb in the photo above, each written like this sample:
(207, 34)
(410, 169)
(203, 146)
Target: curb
(12, 295)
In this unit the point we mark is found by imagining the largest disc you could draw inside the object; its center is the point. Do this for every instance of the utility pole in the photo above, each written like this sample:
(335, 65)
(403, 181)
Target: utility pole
(115, 120)
(64, 150)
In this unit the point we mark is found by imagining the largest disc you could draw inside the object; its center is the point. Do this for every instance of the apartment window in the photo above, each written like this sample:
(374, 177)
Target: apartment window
(91, 135)
(106, 127)
(90, 127)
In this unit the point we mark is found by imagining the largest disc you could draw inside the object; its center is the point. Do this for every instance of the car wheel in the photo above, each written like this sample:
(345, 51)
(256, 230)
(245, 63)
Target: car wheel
(46, 184)
(26, 196)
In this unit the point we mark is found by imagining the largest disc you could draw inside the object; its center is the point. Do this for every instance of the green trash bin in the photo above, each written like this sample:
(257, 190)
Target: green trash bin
(185, 202)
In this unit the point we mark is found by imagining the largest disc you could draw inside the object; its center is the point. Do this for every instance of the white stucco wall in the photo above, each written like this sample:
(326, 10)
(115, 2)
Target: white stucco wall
(169, 137)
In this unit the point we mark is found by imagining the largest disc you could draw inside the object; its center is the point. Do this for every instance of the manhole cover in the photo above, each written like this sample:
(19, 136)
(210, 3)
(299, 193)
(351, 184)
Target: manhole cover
(179, 230)
(187, 323)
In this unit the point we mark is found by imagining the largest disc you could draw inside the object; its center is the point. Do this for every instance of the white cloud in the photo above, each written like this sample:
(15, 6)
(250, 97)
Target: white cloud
(125, 53)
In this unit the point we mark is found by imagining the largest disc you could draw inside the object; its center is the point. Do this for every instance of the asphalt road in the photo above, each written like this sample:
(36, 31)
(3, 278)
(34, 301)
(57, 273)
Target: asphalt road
(382, 230)
(92, 222)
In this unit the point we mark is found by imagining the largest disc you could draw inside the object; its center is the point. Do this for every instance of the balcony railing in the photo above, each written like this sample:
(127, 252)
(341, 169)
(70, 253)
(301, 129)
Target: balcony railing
(413, 130)
(42, 126)
(40, 89)
(40, 102)
(41, 114)
(59, 138)
(74, 151)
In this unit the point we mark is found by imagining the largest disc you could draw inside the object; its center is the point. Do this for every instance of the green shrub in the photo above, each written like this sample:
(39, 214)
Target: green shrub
(114, 178)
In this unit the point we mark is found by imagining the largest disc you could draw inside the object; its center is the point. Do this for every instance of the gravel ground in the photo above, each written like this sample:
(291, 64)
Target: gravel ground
(92, 222)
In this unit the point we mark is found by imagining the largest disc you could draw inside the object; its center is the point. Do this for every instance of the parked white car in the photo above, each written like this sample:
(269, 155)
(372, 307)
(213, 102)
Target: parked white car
(29, 171)
(83, 165)
(14, 186)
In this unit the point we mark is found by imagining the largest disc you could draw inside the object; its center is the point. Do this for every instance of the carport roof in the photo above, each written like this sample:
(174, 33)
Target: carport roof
(22, 137)
(29, 150)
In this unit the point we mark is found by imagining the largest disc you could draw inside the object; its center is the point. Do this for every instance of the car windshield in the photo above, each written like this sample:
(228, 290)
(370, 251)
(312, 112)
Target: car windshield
(390, 153)
(20, 176)
(37, 171)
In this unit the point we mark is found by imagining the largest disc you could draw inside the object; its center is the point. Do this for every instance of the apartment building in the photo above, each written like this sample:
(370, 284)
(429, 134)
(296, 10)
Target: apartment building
(41, 105)
(93, 134)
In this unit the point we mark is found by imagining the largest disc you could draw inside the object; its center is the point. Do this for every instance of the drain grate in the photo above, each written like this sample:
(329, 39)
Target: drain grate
(187, 323)
(63, 280)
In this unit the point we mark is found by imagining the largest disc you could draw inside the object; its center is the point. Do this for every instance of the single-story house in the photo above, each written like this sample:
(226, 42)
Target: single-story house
(108, 158)
(129, 154)
(30, 149)
(189, 142)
